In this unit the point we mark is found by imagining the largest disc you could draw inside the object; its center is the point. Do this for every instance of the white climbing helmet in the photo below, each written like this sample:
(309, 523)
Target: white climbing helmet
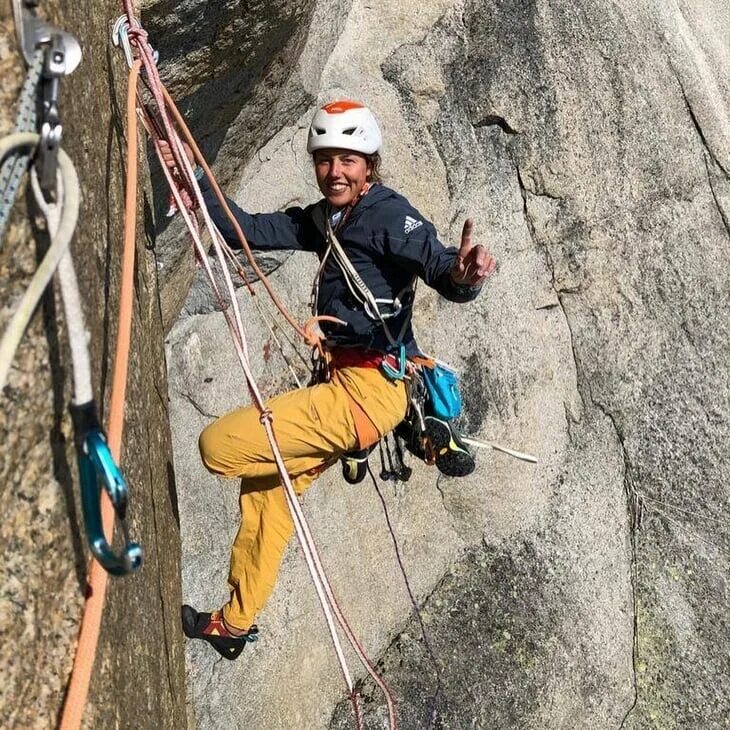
(346, 125)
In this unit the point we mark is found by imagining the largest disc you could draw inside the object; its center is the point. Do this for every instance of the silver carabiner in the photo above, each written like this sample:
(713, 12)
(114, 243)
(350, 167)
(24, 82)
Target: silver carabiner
(120, 39)
(61, 57)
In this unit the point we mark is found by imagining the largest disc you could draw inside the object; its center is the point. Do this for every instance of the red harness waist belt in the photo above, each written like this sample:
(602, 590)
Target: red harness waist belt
(356, 357)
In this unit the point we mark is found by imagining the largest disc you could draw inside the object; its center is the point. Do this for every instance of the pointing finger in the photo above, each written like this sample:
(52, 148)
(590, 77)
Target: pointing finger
(466, 234)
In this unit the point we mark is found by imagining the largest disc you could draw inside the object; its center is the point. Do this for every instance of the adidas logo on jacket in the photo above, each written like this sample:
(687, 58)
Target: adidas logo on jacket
(411, 224)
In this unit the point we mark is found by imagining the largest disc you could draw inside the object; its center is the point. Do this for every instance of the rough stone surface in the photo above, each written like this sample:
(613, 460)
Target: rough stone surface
(139, 669)
(591, 144)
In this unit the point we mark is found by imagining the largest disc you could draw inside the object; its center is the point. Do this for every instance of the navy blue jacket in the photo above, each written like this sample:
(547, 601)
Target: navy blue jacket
(388, 242)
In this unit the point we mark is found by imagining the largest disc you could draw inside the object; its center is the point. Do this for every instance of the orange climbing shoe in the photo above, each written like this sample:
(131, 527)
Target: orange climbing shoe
(210, 627)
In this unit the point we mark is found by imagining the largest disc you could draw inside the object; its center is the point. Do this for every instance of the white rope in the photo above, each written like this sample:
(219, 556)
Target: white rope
(497, 447)
(59, 245)
(66, 273)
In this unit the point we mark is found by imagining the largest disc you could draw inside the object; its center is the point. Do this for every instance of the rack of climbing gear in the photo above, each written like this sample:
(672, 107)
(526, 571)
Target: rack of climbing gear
(392, 463)
(164, 123)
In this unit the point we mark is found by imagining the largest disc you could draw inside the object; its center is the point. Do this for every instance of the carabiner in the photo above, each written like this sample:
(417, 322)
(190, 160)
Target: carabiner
(120, 39)
(401, 361)
(61, 56)
(96, 465)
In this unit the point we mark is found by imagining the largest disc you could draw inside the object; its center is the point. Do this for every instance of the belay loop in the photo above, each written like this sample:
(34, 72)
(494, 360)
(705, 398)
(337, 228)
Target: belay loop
(97, 471)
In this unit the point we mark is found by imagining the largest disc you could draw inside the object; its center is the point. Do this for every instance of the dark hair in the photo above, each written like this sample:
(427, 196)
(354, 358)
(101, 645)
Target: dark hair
(375, 161)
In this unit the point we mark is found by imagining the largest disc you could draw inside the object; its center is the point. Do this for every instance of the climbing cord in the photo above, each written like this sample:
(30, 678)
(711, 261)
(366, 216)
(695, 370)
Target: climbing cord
(481, 444)
(187, 195)
(78, 685)
(59, 245)
(414, 603)
(15, 165)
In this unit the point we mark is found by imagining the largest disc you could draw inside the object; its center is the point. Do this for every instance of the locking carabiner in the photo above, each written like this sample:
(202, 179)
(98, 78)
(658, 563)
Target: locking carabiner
(401, 361)
(97, 471)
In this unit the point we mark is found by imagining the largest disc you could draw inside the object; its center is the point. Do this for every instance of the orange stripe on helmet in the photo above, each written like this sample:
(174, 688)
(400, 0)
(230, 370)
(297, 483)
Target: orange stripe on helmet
(337, 107)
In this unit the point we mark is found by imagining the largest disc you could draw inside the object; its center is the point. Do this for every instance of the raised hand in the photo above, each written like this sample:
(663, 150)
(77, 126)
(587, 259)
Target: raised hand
(473, 263)
(169, 159)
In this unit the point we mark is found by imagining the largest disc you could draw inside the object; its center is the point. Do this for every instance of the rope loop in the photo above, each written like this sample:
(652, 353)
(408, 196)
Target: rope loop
(137, 35)
(266, 416)
(315, 338)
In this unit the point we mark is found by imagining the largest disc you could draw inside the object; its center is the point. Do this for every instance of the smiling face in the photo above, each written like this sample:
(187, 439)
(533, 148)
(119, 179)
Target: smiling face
(341, 175)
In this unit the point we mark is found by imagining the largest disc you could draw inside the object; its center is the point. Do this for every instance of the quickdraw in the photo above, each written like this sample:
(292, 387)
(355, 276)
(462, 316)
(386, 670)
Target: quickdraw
(98, 467)
(61, 56)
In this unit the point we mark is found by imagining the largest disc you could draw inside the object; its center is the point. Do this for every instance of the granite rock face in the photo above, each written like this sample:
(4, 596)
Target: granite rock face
(239, 57)
(43, 576)
(229, 66)
(591, 143)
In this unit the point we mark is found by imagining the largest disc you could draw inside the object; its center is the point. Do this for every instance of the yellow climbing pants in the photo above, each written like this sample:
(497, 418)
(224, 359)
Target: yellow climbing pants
(313, 427)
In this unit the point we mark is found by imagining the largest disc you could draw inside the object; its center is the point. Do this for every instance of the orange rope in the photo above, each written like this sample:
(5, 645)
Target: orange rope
(78, 686)
(222, 200)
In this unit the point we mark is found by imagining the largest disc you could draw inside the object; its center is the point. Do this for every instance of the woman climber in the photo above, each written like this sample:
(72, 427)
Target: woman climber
(372, 245)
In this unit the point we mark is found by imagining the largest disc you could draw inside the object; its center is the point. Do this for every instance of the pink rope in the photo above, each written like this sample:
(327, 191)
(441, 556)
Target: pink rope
(181, 194)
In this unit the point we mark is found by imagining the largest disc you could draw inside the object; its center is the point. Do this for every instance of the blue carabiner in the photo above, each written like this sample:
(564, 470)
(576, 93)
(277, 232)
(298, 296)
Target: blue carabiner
(98, 470)
(391, 372)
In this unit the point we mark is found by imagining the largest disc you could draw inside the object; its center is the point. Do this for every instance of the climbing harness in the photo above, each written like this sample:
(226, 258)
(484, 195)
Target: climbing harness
(166, 123)
(372, 306)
